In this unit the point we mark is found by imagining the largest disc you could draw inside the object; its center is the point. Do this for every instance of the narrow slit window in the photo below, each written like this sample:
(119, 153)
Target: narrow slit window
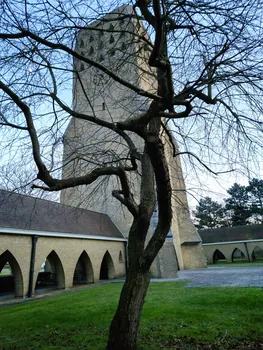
(111, 39)
(91, 50)
(112, 52)
(123, 46)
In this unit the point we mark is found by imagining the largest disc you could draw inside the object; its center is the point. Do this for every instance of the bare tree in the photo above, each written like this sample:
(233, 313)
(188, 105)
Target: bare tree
(206, 62)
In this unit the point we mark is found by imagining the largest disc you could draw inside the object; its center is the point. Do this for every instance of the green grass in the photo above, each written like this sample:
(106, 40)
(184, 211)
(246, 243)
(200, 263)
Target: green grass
(5, 272)
(173, 318)
(238, 264)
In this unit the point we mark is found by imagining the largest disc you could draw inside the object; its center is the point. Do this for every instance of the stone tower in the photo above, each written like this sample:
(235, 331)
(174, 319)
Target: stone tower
(115, 42)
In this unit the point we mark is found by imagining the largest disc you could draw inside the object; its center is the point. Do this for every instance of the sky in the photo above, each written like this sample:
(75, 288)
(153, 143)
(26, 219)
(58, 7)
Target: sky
(198, 181)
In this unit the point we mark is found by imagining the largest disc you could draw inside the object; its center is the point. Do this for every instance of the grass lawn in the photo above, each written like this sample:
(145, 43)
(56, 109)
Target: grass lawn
(238, 264)
(5, 272)
(173, 317)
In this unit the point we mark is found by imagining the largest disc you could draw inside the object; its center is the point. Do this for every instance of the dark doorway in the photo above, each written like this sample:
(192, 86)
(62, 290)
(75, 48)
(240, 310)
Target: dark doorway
(218, 257)
(11, 280)
(51, 275)
(257, 254)
(83, 272)
(107, 267)
(238, 256)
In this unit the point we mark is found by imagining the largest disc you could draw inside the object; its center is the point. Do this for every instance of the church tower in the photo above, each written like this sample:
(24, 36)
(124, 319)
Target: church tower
(120, 43)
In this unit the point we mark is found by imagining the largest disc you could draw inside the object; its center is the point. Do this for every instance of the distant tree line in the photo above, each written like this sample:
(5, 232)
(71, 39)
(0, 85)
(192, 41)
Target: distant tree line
(244, 206)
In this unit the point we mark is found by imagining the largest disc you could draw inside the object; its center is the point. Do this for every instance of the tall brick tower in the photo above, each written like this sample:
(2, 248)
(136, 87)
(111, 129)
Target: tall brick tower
(116, 42)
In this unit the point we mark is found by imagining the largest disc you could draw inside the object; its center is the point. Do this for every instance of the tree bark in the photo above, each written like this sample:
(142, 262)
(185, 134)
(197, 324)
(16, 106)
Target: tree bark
(125, 325)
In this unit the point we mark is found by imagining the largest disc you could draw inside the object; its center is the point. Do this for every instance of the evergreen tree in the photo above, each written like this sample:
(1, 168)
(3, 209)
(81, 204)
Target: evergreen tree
(255, 197)
(210, 214)
(238, 205)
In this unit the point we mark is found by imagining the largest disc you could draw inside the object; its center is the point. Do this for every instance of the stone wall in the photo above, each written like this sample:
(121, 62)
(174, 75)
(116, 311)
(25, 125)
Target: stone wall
(227, 249)
(117, 45)
(17, 249)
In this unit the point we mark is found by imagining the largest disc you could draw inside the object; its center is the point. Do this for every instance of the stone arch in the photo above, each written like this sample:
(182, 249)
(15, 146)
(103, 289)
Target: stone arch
(257, 253)
(121, 257)
(15, 282)
(107, 270)
(83, 271)
(52, 275)
(238, 256)
(218, 257)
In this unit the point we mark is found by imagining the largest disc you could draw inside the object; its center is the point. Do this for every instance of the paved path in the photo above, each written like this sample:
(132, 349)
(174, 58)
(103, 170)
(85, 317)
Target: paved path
(223, 277)
(210, 277)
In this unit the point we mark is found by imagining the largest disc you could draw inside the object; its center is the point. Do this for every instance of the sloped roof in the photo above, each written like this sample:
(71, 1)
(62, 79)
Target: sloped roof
(228, 234)
(28, 213)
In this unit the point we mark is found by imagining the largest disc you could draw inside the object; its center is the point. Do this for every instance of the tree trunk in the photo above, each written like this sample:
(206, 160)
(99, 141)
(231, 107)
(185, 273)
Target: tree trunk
(124, 328)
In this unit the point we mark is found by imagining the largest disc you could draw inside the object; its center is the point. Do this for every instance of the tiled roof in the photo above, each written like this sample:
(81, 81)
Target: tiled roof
(228, 234)
(24, 212)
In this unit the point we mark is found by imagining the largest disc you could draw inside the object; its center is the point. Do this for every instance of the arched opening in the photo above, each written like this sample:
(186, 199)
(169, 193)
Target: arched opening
(83, 272)
(107, 270)
(120, 257)
(257, 254)
(91, 50)
(82, 67)
(11, 280)
(51, 275)
(112, 39)
(123, 47)
(238, 256)
(218, 257)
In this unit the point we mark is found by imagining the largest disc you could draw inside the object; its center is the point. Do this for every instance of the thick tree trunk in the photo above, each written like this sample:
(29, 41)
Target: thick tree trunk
(124, 328)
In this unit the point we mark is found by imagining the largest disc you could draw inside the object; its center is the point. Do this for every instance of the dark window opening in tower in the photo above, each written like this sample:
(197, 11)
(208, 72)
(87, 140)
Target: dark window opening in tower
(123, 46)
(111, 27)
(82, 66)
(91, 50)
(100, 45)
(122, 34)
(91, 38)
(101, 58)
(112, 52)
(81, 43)
(111, 39)
(101, 33)
(103, 106)
(122, 21)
